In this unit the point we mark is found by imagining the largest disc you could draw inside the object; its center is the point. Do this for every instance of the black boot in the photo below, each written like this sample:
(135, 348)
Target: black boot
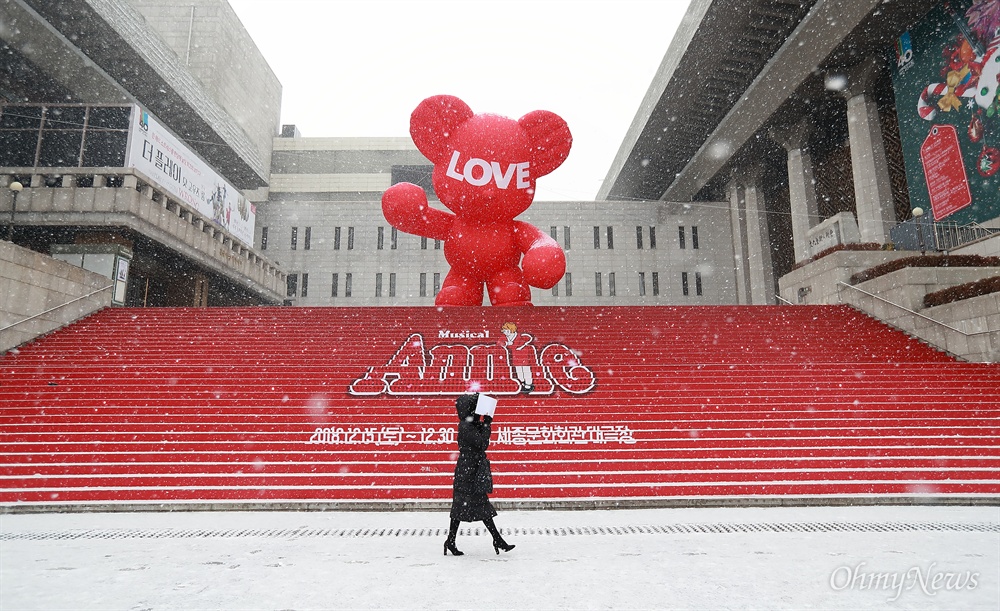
(498, 542)
(449, 544)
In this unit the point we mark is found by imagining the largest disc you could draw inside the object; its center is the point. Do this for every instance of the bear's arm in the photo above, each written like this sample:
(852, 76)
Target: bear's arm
(405, 207)
(544, 261)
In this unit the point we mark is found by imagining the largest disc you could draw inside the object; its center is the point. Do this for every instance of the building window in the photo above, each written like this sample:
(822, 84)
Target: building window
(350, 238)
(697, 283)
(423, 282)
(598, 285)
(393, 239)
(680, 236)
(694, 238)
(437, 283)
(291, 285)
(423, 243)
(655, 277)
(378, 284)
(336, 281)
(308, 239)
(336, 238)
(611, 284)
(684, 284)
(437, 244)
(555, 290)
(652, 237)
(569, 284)
(263, 238)
(642, 284)
(347, 284)
(381, 237)
(295, 238)
(554, 232)
(597, 238)
(638, 237)
(611, 238)
(305, 284)
(392, 284)
(566, 237)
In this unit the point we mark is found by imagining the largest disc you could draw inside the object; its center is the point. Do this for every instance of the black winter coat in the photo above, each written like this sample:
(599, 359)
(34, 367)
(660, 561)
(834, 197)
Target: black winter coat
(469, 500)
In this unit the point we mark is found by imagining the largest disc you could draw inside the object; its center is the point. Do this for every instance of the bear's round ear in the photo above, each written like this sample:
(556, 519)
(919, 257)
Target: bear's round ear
(434, 121)
(550, 140)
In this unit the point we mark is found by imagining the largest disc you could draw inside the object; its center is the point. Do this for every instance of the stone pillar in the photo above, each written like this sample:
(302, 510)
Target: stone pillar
(801, 184)
(737, 211)
(872, 187)
(759, 264)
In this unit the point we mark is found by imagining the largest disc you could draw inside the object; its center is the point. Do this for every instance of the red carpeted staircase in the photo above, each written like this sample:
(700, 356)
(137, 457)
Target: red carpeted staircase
(356, 405)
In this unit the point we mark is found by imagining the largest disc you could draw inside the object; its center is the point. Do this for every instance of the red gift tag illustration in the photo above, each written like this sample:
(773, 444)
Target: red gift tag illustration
(944, 171)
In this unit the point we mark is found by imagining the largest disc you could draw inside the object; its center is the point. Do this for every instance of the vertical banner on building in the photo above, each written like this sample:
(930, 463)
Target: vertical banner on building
(946, 83)
(157, 153)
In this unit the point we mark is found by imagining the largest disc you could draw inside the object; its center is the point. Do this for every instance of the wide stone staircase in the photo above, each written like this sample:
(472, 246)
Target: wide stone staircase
(354, 407)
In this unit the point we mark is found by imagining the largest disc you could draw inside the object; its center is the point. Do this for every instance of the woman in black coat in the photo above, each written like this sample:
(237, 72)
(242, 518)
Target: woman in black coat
(473, 479)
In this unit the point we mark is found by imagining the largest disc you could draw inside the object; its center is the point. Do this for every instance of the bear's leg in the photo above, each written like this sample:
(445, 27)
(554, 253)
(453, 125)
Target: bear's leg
(508, 288)
(459, 290)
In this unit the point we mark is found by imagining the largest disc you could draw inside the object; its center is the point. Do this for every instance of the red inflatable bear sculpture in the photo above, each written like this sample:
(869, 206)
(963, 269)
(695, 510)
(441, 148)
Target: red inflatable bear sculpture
(485, 167)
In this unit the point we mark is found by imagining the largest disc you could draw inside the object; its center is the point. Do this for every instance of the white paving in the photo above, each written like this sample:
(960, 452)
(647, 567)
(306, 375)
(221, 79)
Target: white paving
(892, 557)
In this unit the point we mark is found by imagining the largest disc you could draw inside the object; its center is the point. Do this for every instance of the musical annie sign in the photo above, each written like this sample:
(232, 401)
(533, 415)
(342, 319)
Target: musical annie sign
(509, 365)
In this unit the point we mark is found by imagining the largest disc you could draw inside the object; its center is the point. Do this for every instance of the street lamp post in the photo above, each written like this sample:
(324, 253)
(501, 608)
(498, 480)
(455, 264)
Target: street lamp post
(918, 213)
(15, 188)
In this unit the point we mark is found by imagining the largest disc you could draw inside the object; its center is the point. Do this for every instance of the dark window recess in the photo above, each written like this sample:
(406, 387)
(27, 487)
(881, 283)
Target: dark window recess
(642, 284)
(597, 238)
(336, 238)
(347, 284)
(378, 284)
(305, 284)
(104, 149)
(423, 284)
(419, 175)
(295, 238)
(423, 243)
(392, 284)
(694, 237)
(652, 237)
(308, 240)
(697, 283)
(684, 284)
(336, 283)
(112, 117)
(393, 238)
(611, 284)
(263, 238)
(656, 283)
(292, 285)
(569, 284)
(611, 238)
(17, 149)
(381, 238)
(350, 238)
(598, 286)
(437, 283)
(638, 237)
(680, 236)
(60, 149)
(566, 244)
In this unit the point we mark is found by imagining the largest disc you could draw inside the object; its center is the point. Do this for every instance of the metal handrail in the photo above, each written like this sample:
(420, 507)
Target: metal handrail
(780, 298)
(62, 305)
(918, 314)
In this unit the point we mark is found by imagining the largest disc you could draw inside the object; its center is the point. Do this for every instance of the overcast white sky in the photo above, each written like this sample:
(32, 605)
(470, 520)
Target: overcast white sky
(358, 68)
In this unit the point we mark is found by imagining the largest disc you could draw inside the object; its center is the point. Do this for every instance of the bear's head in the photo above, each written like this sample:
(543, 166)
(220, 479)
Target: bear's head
(485, 166)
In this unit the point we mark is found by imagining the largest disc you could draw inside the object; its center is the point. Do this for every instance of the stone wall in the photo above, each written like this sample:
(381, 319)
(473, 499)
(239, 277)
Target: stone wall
(55, 293)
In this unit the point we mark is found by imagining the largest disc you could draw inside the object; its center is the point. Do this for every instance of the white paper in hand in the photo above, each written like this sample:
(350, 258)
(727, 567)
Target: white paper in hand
(486, 405)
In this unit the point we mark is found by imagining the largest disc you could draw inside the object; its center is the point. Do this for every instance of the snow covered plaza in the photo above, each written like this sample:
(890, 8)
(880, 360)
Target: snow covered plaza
(898, 557)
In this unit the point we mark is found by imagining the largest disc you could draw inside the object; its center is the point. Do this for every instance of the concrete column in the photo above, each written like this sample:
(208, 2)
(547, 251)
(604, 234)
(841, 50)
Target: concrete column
(759, 264)
(801, 184)
(737, 211)
(872, 187)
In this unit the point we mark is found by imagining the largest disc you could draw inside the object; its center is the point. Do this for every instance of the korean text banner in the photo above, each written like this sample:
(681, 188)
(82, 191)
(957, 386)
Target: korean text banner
(945, 77)
(158, 154)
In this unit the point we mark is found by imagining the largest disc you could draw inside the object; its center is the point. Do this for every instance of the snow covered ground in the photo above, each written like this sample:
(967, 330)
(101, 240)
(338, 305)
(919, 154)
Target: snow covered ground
(764, 558)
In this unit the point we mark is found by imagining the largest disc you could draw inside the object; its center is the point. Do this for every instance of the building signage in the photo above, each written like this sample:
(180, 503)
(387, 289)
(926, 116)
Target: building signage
(161, 156)
(946, 78)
